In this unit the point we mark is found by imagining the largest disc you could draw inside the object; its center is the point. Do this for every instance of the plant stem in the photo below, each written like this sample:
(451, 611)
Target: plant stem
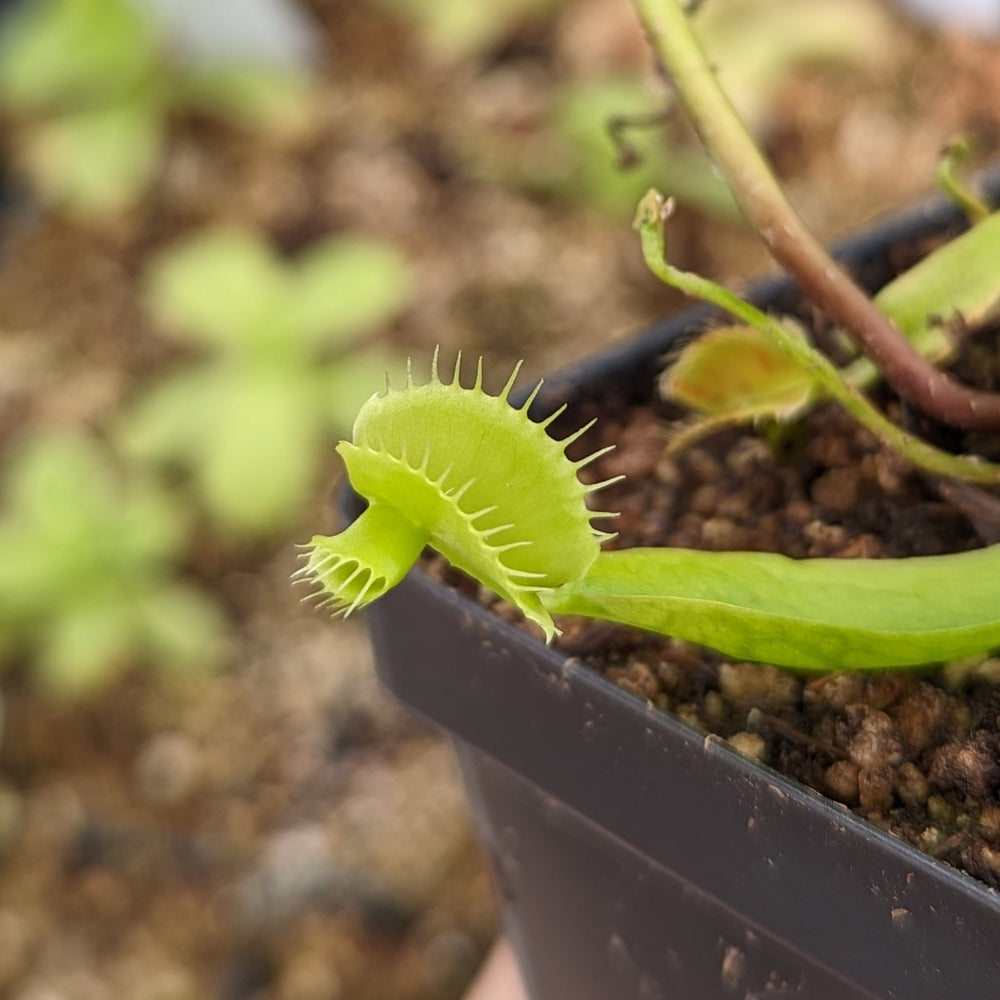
(652, 214)
(787, 238)
(965, 199)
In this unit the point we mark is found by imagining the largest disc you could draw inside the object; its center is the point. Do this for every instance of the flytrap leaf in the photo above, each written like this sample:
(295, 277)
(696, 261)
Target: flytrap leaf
(469, 474)
(474, 477)
(816, 614)
(737, 374)
(734, 375)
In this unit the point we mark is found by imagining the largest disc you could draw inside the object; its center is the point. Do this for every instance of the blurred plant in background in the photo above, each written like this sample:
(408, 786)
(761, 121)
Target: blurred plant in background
(96, 532)
(460, 29)
(89, 570)
(88, 86)
(608, 136)
(282, 368)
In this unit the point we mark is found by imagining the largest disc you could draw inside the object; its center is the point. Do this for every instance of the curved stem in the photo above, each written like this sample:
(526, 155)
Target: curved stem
(965, 199)
(787, 238)
(650, 218)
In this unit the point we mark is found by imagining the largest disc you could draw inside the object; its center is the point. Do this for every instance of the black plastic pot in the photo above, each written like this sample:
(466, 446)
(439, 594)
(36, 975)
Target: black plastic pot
(638, 858)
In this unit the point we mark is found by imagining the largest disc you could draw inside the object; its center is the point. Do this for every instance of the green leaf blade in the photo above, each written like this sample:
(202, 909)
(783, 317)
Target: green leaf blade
(223, 288)
(815, 614)
(346, 286)
(75, 52)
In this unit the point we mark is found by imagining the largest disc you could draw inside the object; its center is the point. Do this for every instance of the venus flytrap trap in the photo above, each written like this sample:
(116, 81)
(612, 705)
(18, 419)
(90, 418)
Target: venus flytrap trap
(782, 350)
(471, 475)
(787, 238)
(282, 367)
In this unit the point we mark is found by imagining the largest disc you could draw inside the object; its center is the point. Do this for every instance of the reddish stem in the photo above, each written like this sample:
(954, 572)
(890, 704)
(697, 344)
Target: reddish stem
(788, 239)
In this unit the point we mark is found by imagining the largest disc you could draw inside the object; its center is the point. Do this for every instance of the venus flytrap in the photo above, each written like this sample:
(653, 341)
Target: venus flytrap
(738, 374)
(469, 474)
(281, 368)
(820, 377)
(477, 479)
(448, 466)
(788, 239)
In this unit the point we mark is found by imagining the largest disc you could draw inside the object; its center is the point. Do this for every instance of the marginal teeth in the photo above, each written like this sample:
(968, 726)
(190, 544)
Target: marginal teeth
(578, 433)
(526, 574)
(510, 546)
(526, 405)
(481, 513)
(457, 495)
(594, 456)
(594, 487)
(505, 391)
(552, 417)
(490, 532)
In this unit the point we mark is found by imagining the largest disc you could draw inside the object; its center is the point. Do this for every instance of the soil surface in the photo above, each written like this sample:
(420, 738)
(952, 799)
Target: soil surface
(279, 829)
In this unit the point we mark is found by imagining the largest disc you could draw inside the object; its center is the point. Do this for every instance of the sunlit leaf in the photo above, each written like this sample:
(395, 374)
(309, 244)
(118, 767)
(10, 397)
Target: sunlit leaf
(252, 95)
(94, 162)
(223, 287)
(83, 550)
(73, 53)
(348, 285)
(181, 630)
(263, 443)
(738, 371)
(84, 648)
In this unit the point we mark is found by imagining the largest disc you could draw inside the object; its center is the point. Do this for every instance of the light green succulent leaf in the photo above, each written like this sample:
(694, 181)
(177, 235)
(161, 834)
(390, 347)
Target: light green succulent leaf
(73, 529)
(457, 29)
(252, 95)
(739, 372)
(248, 436)
(260, 452)
(182, 628)
(94, 163)
(29, 578)
(348, 285)
(81, 548)
(166, 423)
(84, 648)
(59, 495)
(65, 54)
(55, 478)
(348, 382)
(223, 288)
(150, 530)
(589, 169)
